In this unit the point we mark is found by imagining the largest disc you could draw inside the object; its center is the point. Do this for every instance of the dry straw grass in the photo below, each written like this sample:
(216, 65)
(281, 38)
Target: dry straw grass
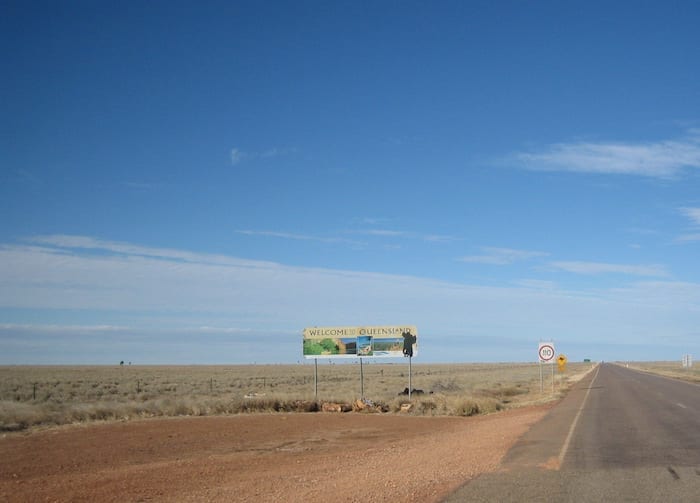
(32, 396)
(669, 369)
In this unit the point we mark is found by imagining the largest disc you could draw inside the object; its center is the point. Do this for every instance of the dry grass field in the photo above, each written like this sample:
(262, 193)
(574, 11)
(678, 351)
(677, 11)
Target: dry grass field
(669, 369)
(53, 395)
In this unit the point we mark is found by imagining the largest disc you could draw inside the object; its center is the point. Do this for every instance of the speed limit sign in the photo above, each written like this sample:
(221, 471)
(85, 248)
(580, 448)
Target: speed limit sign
(546, 352)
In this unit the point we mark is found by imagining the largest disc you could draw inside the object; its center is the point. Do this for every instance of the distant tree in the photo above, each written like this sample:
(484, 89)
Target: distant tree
(121, 363)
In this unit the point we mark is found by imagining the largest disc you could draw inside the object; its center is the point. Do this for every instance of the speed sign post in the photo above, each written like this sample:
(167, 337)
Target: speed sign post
(546, 353)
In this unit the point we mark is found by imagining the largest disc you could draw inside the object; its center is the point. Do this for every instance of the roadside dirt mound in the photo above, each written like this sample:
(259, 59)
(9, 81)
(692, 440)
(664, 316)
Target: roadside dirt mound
(276, 457)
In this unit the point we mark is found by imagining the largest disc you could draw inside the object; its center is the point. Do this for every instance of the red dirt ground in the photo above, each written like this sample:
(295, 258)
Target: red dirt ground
(277, 457)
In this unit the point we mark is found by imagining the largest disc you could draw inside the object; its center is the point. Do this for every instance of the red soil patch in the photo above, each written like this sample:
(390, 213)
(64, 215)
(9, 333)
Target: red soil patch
(276, 457)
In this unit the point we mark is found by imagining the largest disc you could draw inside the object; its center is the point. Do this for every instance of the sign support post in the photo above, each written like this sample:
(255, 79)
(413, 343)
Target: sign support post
(316, 379)
(552, 365)
(362, 381)
(409, 376)
(546, 353)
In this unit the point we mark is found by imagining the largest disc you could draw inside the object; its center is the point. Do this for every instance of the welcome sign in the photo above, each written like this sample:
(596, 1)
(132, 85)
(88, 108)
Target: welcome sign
(360, 342)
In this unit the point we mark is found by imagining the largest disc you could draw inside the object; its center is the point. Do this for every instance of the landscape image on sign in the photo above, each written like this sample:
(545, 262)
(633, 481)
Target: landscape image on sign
(330, 346)
(364, 345)
(388, 347)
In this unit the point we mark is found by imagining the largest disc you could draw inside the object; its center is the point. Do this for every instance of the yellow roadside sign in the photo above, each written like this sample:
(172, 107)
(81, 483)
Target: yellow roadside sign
(561, 362)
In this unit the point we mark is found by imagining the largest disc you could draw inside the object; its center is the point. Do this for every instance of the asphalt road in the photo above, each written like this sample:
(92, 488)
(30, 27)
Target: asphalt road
(619, 435)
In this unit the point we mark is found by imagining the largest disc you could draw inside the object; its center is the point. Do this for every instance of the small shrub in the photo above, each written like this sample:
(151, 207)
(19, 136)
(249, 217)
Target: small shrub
(465, 407)
(446, 385)
(427, 406)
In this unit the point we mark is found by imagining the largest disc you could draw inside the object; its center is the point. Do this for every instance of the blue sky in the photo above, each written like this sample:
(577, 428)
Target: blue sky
(196, 182)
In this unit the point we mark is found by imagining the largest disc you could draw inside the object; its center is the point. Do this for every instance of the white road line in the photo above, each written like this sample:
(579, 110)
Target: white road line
(681, 406)
(565, 447)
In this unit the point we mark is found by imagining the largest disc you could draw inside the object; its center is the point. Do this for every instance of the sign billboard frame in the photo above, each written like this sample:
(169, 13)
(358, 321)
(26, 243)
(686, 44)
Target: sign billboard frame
(369, 341)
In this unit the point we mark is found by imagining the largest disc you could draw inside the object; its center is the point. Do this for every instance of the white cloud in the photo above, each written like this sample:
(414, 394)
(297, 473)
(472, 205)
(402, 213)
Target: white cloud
(693, 214)
(689, 237)
(662, 159)
(384, 233)
(379, 233)
(161, 301)
(438, 238)
(537, 284)
(273, 152)
(299, 237)
(238, 156)
(430, 238)
(27, 176)
(603, 268)
(671, 296)
(61, 329)
(502, 256)
(61, 243)
(141, 186)
(373, 221)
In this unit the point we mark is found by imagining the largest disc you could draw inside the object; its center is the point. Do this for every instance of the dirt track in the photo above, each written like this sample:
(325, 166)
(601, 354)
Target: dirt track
(280, 457)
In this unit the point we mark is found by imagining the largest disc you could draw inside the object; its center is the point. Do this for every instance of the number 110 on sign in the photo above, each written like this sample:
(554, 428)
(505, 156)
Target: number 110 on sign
(546, 352)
